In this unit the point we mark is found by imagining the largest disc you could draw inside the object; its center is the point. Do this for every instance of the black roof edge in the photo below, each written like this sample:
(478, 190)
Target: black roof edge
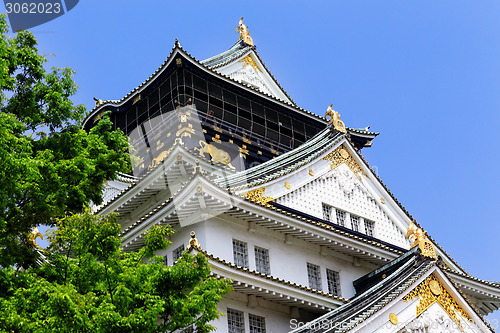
(336, 226)
(367, 281)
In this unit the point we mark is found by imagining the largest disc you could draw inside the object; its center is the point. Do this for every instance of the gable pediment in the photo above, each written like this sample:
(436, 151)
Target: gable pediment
(249, 70)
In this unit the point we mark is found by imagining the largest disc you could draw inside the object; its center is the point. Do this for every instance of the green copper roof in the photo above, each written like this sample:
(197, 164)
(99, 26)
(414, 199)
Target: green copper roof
(284, 163)
(236, 51)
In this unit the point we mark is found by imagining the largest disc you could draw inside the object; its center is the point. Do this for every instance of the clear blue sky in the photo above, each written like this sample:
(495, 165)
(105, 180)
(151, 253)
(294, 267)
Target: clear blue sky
(426, 74)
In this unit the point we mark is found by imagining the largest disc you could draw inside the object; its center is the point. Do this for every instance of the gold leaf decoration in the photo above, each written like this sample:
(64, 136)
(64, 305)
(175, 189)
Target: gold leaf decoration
(341, 155)
(258, 196)
(431, 291)
(248, 60)
(217, 155)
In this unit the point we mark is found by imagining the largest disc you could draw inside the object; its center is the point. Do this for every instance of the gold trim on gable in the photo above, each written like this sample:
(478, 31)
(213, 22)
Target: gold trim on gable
(341, 155)
(431, 291)
(248, 60)
(258, 196)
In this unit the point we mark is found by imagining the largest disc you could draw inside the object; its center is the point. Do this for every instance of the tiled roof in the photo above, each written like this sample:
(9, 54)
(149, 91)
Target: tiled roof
(283, 164)
(364, 131)
(472, 278)
(267, 276)
(236, 51)
(409, 268)
(177, 46)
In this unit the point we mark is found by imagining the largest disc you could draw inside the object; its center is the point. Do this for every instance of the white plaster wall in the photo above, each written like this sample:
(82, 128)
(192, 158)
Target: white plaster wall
(182, 236)
(277, 317)
(288, 262)
(340, 188)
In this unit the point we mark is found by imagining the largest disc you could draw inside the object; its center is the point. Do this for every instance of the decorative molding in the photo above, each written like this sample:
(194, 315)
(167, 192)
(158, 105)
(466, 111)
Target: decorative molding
(136, 99)
(426, 246)
(185, 131)
(341, 155)
(160, 158)
(248, 60)
(431, 291)
(216, 138)
(243, 151)
(244, 33)
(393, 319)
(335, 119)
(217, 155)
(258, 196)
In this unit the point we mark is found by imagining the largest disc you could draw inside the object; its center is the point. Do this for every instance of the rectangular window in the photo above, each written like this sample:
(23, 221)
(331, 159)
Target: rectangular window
(177, 253)
(333, 280)
(354, 222)
(369, 227)
(165, 260)
(257, 324)
(327, 212)
(262, 260)
(235, 322)
(314, 275)
(240, 252)
(340, 217)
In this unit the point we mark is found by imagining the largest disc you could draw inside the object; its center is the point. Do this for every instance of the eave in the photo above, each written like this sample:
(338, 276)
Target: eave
(177, 50)
(217, 200)
(271, 288)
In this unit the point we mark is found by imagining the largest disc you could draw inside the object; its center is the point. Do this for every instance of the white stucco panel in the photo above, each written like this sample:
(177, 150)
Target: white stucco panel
(342, 190)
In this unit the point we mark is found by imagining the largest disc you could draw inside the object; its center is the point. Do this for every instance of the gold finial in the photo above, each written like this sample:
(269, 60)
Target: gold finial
(426, 247)
(98, 102)
(193, 241)
(335, 119)
(34, 234)
(244, 33)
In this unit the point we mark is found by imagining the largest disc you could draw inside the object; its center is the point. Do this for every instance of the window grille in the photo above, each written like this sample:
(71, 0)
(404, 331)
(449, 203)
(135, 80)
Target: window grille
(340, 217)
(177, 253)
(262, 260)
(314, 275)
(333, 280)
(235, 321)
(327, 212)
(370, 227)
(257, 324)
(354, 222)
(240, 252)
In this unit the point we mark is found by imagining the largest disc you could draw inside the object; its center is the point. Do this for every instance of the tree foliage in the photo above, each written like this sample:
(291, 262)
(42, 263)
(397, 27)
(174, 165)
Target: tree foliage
(49, 165)
(50, 170)
(88, 284)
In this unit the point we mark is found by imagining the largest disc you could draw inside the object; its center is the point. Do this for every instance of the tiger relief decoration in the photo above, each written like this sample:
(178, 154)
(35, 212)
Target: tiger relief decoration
(218, 155)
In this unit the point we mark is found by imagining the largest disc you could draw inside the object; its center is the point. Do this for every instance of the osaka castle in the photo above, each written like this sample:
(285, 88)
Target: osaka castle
(282, 202)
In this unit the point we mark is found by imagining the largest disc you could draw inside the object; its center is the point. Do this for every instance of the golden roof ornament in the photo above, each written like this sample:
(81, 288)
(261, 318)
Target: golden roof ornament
(34, 234)
(426, 247)
(335, 119)
(193, 241)
(98, 102)
(244, 33)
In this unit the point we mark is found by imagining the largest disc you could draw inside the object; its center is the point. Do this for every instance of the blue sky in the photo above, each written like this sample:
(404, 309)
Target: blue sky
(426, 74)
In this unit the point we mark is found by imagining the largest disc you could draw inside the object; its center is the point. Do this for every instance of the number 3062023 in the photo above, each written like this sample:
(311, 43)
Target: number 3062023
(33, 8)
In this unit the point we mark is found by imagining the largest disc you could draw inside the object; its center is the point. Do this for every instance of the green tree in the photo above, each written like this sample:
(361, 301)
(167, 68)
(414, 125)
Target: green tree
(50, 165)
(50, 171)
(88, 284)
